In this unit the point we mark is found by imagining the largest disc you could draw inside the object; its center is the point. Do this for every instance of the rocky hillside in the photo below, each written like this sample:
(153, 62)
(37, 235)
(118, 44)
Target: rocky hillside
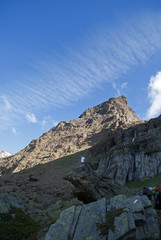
(131, 154)
(117, 146)
(123, 155)
(72, 136)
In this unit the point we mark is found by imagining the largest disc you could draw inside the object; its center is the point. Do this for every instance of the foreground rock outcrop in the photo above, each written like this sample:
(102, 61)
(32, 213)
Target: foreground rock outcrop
(90, 187)
(118, 218)
(72, 136)
(6, 202)
(44, 193)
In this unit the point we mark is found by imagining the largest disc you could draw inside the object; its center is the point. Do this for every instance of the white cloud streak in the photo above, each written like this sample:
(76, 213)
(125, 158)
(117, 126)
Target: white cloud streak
(103, 58)
(48, 123)
(7, 105)
(154, 94)
(31, 117)
(119, 88)
(14, 130)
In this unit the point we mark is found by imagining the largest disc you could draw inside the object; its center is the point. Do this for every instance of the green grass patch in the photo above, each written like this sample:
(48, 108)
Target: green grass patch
(36, 200)
(149, 151)
(17, 225)
(150, 182)
(133, 146)
(69, 160)
(95, 158)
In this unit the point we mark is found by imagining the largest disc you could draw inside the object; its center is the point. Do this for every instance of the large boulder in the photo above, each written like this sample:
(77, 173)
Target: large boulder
(6, 202)
(79, 223)
(120, 217)
(90, 186)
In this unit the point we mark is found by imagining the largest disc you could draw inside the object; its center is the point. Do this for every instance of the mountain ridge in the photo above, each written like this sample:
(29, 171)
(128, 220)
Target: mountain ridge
(75, 135)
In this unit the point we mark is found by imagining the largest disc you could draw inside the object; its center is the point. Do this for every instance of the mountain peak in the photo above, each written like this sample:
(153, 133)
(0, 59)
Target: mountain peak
(71, 136)
(116, 107)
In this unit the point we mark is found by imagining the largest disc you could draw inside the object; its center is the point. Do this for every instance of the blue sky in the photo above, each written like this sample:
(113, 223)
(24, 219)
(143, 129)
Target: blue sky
(60, 57)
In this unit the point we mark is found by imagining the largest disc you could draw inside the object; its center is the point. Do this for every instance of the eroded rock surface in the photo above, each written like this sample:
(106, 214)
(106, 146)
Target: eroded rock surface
(137, 220)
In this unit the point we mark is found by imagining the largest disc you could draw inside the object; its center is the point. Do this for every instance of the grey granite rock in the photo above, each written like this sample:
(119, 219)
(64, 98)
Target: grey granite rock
(6, 202)
(124, 227)
(136, 220)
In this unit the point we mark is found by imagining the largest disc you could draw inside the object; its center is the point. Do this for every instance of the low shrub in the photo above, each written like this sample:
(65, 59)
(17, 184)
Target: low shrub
(17, 225)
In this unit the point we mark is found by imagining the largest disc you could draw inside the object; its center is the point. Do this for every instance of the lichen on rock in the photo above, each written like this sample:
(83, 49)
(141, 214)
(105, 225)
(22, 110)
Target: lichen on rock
(132, 220)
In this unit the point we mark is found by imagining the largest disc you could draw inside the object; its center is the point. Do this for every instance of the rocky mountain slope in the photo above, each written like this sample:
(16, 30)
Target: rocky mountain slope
(117, 146)
(131, 154)
(72, 136)
(41, 188)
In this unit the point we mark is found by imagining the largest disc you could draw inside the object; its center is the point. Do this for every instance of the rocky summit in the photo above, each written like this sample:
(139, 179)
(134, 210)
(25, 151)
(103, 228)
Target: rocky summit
(72, 136)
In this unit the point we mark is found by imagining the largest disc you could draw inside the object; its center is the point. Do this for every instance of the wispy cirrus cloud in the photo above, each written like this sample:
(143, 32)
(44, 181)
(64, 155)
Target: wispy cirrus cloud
(119, 88)
(7, 104)
(14, 130)
(31, 117)
(104, 56)
(48, 123)
(6, 112)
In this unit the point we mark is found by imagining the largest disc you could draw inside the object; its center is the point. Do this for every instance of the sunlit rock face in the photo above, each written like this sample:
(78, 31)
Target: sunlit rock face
(71, 136)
